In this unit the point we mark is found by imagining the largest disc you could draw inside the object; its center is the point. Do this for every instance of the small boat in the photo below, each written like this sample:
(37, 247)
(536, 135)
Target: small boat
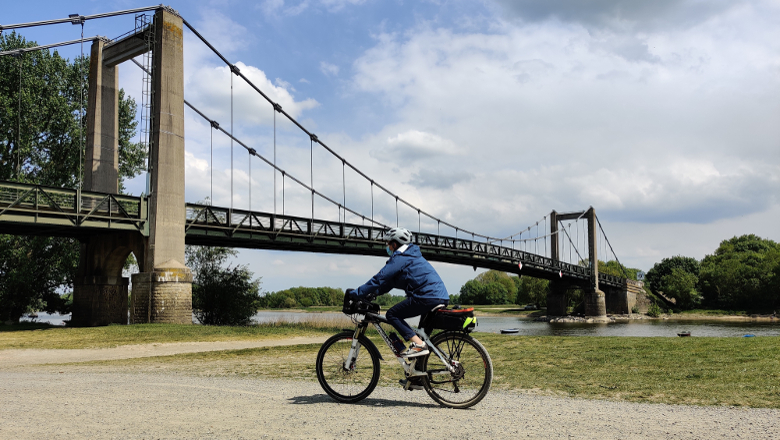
(683, 334)
(509, 330)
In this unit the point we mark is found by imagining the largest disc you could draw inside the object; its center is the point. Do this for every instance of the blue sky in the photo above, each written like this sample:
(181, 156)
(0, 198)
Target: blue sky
(489, 114)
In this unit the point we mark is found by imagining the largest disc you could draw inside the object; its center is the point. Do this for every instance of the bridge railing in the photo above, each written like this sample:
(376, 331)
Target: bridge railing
(259, 229)
(28, 203)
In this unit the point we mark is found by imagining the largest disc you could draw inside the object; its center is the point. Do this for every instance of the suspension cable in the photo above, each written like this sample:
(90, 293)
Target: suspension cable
(81, 111)
(284, 173)
(625, 274)
(273, 165)
(84, 17)
(312, 135)
(572, 245)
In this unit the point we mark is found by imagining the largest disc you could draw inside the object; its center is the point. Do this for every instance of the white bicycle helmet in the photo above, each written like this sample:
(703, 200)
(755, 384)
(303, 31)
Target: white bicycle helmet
(399, 235)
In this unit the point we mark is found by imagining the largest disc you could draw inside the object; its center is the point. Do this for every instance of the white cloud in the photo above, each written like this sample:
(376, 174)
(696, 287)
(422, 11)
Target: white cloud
(665, 127)
(209, 89)
(329, 69)
(413, 146)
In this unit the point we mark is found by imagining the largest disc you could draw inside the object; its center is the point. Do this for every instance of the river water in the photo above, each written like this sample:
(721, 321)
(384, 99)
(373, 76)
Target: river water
(527, 327)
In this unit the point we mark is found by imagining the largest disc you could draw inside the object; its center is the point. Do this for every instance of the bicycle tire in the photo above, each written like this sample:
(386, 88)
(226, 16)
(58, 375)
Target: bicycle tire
(346, 385)
(468, 386)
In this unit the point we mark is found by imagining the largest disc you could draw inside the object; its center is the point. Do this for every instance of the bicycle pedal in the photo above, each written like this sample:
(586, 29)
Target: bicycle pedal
(409, 385)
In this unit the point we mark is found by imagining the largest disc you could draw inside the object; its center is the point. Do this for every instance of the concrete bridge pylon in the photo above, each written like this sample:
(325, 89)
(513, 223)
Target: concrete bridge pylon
(162, 291)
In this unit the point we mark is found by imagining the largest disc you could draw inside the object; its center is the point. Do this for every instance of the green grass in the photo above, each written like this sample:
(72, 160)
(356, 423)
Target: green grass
(43, 336)
(699, 371)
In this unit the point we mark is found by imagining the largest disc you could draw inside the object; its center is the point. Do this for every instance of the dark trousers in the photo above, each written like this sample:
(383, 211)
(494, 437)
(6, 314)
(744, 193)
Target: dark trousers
(409, 308)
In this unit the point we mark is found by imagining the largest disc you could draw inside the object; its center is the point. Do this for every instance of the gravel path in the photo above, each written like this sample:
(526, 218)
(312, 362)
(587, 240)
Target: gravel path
(47, 403)
(59, 402)
(21, 357)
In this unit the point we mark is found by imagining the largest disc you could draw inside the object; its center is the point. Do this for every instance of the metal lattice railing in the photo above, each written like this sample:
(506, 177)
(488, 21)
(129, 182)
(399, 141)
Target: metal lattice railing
(26, 203)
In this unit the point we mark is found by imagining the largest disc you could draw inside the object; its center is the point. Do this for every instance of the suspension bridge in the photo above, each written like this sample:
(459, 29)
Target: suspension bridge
(561, 247)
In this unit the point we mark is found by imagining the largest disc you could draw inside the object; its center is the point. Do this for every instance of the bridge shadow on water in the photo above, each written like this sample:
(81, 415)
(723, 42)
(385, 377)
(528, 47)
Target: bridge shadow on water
(368, 401)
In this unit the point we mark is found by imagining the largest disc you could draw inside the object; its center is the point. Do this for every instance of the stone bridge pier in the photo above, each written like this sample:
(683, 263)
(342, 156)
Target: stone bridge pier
(162, 291)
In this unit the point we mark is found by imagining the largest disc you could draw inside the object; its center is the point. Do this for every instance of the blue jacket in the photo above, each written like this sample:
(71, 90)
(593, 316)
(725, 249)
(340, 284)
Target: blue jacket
(410, 272)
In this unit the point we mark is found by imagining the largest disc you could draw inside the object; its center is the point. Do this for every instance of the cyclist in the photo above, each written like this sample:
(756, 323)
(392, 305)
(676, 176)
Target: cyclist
(407, 270)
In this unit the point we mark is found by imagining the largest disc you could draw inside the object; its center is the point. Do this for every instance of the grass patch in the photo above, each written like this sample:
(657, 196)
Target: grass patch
(48, 337)
(694, 371)
(700, 371)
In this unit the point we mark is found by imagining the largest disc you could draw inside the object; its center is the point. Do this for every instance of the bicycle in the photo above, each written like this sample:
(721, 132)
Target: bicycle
(457, 372)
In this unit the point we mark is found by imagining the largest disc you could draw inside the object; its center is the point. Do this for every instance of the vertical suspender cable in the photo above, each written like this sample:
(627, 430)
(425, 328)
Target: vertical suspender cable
(344, 187)
(212, 164)
(19, 125)
(249, 154)
(231, 139)
(81, 110)
(311, 170)
(274, 170)
(372, 201)
(396, 211)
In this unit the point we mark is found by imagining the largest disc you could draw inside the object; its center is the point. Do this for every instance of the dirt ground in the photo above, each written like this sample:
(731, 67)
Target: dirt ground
(41, 398)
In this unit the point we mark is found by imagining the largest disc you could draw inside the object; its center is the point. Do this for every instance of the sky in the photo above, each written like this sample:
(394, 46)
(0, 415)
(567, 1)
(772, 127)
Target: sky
(663, 116)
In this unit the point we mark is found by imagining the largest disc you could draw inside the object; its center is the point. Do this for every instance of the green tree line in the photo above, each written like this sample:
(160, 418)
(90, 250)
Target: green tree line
(495, 287)
(742, 274)
(41, 142)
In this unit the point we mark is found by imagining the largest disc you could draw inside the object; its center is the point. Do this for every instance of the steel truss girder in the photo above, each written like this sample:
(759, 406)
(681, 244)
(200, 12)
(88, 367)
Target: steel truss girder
(57, 210)
(209, 225)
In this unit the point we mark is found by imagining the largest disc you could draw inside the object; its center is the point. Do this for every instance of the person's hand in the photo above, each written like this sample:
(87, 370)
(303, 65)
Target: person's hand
(352, 293)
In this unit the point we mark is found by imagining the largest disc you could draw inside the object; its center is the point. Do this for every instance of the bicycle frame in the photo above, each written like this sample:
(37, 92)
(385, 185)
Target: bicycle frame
(407, 364)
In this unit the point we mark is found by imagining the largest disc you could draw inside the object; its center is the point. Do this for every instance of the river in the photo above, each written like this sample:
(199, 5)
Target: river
(527, 327)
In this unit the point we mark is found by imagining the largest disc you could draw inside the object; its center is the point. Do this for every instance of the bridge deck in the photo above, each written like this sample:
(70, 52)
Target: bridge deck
(36, 210)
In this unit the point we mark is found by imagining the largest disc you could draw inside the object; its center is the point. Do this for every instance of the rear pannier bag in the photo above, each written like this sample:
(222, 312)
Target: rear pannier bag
(453, 319)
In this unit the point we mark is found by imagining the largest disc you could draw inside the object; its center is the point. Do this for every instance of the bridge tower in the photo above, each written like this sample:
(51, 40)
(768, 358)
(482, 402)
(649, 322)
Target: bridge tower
(162, 291)
(595, 299)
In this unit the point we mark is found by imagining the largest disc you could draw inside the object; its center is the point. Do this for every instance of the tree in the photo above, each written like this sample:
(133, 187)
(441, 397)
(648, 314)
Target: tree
(494, 276)
(532, 290)
(477, 292)
(312, 296)
(741, 274)
(221, 295)
(655, 276)
(680, 285)
(41, 143)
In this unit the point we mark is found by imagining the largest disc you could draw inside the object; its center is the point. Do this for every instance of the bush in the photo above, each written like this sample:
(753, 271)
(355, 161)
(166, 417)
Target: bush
(654, 310)
(225, 296)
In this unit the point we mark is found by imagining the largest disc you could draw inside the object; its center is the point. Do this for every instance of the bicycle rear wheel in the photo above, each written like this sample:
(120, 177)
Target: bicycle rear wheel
(474, 371)
(347, 383)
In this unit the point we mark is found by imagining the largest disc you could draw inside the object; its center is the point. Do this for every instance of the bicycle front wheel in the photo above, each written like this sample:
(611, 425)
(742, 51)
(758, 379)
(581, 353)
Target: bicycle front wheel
(473, 374)
(347, 383)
